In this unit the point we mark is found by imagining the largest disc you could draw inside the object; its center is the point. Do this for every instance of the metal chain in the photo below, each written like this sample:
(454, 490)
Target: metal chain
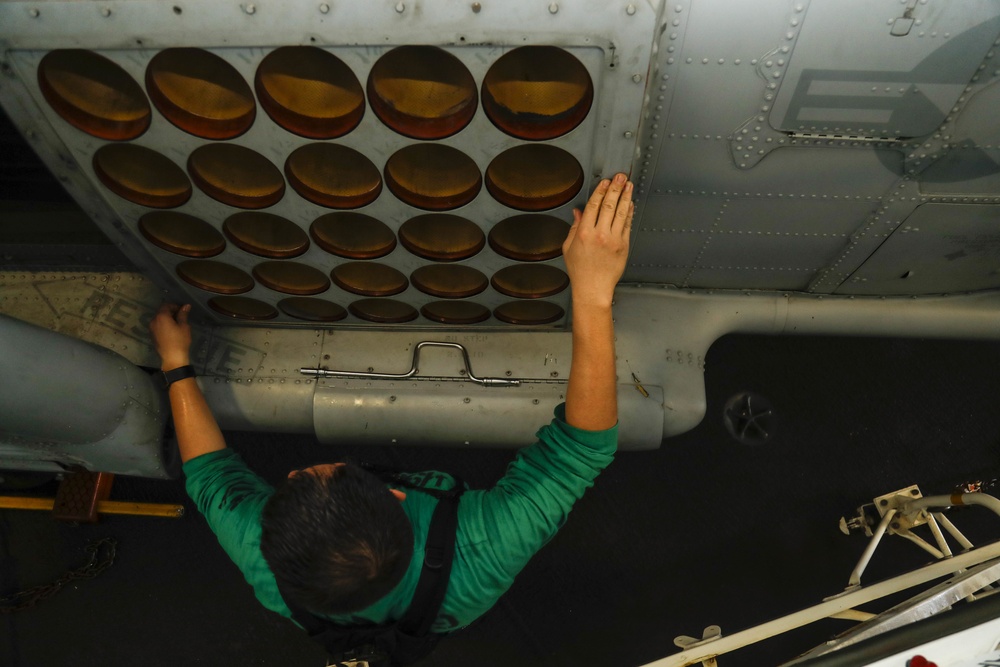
(95, 565)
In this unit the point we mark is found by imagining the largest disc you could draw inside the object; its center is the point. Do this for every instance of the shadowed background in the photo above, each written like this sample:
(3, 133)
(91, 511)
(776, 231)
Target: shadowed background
(703, 531)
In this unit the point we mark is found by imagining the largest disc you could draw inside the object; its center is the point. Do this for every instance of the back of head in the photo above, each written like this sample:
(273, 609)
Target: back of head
(336, 542)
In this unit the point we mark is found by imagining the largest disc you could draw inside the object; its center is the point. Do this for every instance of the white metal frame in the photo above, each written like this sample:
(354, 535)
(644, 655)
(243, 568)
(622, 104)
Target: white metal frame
(972, 571)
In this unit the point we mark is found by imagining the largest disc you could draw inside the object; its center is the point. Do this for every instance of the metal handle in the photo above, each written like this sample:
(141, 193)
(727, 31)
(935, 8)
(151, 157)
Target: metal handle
(486, 382)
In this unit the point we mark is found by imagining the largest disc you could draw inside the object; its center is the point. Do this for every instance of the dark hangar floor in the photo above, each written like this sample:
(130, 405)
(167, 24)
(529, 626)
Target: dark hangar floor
(703, 531)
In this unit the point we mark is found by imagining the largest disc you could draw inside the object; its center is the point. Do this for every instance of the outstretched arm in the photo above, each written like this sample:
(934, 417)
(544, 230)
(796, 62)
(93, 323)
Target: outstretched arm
(509, 523)
(226, 492)
(197, 431)
(596, 250)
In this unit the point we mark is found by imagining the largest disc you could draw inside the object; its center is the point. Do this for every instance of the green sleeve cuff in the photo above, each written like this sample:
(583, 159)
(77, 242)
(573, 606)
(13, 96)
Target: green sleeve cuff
(194, 466)
(593, 439)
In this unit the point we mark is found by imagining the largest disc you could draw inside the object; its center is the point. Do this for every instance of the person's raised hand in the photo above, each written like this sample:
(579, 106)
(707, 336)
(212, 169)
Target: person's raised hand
(172, 335)
(596, 247)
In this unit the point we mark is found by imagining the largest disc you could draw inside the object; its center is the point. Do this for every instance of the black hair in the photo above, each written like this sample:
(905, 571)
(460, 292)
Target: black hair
(336, 542)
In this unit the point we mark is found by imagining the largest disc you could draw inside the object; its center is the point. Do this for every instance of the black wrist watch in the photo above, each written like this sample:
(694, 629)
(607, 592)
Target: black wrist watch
(173, 375)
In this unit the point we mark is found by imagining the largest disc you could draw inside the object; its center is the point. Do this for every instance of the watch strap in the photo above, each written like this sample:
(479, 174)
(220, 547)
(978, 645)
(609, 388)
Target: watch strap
(175, 374)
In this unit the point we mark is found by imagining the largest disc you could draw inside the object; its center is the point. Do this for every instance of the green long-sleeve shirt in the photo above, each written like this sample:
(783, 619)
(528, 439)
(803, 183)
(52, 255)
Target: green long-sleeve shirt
(499, 529)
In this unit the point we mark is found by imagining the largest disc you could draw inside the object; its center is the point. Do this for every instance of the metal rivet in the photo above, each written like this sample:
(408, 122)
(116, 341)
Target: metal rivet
(630, 10)
(400, 7)
(637, 78)
(553, 8)
(34, 13)
(476, 7)
(324, 8)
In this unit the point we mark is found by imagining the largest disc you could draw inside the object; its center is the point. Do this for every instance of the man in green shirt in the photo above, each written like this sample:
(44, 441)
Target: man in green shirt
(349, 548)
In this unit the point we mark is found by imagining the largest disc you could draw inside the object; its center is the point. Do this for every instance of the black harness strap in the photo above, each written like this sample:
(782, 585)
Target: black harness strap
(439, 552)
(410, 638)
